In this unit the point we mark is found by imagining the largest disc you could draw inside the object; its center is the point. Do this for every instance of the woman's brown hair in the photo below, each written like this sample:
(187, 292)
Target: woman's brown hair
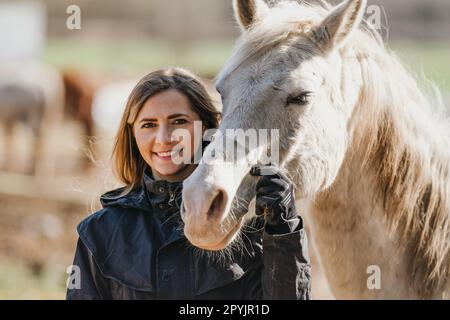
(128, 163)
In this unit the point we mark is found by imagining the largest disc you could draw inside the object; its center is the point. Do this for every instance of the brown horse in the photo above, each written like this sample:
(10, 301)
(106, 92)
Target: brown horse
(80, 90)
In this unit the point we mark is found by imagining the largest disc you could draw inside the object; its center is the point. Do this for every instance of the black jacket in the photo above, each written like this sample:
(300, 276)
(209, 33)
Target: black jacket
(135, 249)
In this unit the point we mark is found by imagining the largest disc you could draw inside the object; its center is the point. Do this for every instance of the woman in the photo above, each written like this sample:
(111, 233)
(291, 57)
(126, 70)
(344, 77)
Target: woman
(135, 249)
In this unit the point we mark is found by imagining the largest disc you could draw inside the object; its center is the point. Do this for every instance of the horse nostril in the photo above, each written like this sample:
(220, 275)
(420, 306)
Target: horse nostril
(217, 205)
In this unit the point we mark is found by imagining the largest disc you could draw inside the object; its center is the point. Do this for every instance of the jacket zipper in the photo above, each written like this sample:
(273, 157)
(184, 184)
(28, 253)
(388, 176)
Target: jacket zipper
(172, 198)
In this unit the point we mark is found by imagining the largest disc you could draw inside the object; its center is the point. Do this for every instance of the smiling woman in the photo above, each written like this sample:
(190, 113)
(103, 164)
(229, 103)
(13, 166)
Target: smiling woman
(135, 247)
(160, 116)
(161, 102)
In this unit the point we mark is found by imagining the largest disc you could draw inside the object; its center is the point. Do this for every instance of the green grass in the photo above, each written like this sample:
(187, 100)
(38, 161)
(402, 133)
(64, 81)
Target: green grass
(207, 57)
(428, 59)
(18, 282)
(137, 57)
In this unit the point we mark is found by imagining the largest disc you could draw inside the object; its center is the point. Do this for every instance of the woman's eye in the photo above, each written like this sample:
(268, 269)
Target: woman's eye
(180, 121)
(148, 125)
(301, 100)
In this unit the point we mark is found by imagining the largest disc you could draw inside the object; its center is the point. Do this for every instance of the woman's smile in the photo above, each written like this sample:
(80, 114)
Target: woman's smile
(168, 155)
(162, 115)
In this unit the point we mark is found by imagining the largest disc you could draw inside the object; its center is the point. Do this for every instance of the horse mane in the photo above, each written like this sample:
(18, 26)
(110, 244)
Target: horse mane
(403, 138)
(405, 143)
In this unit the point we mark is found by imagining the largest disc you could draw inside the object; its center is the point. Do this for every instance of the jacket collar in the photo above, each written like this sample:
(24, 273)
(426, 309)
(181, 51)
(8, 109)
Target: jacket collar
(160, 187)
(136, 199)
(150, 195)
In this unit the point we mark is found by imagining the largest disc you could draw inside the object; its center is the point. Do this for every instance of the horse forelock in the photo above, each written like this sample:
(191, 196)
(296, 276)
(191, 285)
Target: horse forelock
(283, 22)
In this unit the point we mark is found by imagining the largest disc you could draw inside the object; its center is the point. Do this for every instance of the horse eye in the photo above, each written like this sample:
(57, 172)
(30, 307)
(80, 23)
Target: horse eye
(301, 100)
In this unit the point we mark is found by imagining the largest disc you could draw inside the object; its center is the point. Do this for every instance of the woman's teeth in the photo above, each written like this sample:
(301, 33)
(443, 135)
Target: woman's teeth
(168, 154)
(164, 154)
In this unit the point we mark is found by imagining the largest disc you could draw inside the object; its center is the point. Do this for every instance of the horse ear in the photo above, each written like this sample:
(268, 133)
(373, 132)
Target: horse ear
(339, 24)
(246, 11)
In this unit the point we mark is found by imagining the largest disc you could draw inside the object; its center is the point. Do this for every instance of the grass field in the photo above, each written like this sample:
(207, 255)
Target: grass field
(207, 57)
(18, 282)
(138, 57)
(429, 59)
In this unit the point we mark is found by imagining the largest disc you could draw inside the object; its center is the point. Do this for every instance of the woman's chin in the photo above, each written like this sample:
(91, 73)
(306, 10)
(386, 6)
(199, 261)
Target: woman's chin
(168, 171)
(165, 167)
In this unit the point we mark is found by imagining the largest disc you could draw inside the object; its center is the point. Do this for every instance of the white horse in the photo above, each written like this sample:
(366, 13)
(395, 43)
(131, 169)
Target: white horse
(359, 139)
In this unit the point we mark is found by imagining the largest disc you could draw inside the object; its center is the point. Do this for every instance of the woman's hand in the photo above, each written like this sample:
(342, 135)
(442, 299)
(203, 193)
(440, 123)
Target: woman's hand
(275, 200)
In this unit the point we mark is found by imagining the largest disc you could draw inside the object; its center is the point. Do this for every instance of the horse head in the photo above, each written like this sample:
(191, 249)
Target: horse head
(286, 73)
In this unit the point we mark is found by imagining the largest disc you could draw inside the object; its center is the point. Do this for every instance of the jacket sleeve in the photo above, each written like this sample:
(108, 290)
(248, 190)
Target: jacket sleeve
(286, 273)
(90, 285)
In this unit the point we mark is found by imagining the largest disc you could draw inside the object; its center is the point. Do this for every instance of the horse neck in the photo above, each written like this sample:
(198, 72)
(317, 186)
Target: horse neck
(400, 155)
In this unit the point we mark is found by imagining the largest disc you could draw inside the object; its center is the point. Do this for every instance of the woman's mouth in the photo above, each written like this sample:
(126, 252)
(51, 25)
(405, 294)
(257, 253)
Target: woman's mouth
(168, 155)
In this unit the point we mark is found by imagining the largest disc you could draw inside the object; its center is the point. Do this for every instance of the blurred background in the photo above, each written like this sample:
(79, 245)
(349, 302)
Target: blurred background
(63, 87)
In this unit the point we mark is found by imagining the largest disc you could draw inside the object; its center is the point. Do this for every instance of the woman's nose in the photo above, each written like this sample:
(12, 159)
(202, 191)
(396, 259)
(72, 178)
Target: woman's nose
(164, 135)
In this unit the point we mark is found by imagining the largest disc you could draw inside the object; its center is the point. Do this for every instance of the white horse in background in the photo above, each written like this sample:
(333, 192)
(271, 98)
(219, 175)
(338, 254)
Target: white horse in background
(369, 156)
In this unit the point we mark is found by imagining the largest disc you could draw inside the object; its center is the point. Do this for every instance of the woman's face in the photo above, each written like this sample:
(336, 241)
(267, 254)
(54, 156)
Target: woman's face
(159, 117)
